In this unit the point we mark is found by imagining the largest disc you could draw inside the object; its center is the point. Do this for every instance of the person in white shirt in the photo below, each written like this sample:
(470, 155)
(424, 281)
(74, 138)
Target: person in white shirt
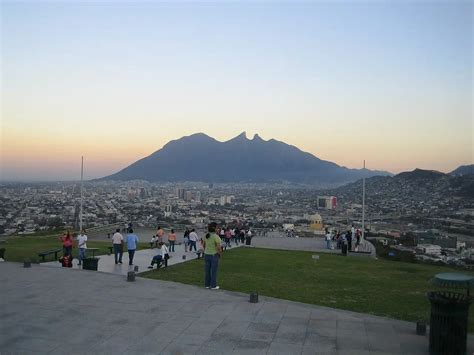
(117, 242)
(193, 239)
(165, 254)
(82, 245)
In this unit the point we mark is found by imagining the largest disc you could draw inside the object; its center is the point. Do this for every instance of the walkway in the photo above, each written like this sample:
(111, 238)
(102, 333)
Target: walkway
(141, 260)
(316, 244)
(58, 310)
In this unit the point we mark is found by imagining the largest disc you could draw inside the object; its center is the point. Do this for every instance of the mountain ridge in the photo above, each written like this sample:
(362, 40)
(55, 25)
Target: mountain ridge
(199, 157)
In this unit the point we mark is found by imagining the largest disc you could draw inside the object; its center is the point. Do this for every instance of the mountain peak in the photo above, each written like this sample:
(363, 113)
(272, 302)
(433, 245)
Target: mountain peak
(241, 137)
(199, 157)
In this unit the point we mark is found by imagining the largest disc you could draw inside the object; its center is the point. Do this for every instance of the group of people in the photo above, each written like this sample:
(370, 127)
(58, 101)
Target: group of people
(68, 241)
(210, 247)
(352, 238)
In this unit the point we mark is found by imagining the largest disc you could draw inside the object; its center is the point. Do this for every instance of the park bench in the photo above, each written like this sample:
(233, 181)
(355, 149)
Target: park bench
(43, 254)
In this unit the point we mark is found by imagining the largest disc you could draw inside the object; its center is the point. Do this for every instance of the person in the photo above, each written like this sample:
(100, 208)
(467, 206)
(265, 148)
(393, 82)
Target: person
(236, 236)
(242, 236)
(117, 243)
(132, 241)
(193, 238)
(152, 242)
(248, 237)
(159, 258)
(228, 236)
(186, 240)
(165, 255)
(66, 260)
(159, 234)
(349, 240)
(328, 240)
(82, 245)
(67, 243)
(200, 251)
(172, 239)
(212, 253)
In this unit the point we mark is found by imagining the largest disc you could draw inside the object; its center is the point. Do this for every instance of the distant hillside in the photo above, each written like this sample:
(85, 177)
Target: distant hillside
(463, 170)
(419, 174)
(416, 185)
(202, 158)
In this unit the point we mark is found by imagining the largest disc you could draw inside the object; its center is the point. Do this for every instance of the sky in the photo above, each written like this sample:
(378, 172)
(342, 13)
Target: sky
(114, 81)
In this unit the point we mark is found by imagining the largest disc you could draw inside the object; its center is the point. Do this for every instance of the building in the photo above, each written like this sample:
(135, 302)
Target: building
(327, 202)
(429, 249)
(316, 222)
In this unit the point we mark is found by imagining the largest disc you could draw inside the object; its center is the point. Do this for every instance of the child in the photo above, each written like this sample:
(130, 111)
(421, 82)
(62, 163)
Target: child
(152, 242)
(66, 260)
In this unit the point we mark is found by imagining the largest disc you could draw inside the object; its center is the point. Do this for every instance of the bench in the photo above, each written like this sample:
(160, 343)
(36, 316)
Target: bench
(43, 254)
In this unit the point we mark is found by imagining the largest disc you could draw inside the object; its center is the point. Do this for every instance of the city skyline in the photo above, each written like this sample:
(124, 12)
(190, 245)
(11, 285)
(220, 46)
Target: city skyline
(390, 83)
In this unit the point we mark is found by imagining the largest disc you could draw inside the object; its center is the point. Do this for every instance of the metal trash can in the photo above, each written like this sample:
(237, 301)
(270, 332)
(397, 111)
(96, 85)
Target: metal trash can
(248, 240)
(448, 322)
(90, 264)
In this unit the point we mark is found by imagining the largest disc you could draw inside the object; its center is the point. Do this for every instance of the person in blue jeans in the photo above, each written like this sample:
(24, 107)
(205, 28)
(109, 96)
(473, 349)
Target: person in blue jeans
(212, 254)
(132, 241)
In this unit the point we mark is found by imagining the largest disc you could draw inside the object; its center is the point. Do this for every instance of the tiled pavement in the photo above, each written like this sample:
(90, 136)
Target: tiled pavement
(48, 310)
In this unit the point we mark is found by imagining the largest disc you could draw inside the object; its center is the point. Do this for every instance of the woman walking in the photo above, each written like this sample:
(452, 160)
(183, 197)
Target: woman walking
(212, 253)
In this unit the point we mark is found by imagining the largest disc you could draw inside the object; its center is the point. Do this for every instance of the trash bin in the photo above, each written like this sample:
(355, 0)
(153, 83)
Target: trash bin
(90, 264)
(448, 322)
(248, 240)
(344, 249)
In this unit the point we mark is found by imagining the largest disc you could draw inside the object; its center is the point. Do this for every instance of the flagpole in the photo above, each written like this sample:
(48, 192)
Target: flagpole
(363, 204)
(82, 194)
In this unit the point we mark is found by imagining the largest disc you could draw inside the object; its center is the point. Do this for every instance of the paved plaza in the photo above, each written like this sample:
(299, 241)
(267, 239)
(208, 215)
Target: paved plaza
(49, 310)
(141, 260)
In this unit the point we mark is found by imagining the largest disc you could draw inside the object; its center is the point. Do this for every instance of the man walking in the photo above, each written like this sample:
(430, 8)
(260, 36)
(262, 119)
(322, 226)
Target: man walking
(132, 241)
(82, 246)
(117, 242)
(193, 238)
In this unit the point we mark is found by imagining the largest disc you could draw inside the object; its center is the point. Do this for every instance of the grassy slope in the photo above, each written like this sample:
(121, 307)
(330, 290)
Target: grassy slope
(380, 287)
(28, 247)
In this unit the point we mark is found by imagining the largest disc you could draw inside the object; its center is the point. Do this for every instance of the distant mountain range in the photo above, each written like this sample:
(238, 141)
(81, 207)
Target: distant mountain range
(417, 185)
(202, 158)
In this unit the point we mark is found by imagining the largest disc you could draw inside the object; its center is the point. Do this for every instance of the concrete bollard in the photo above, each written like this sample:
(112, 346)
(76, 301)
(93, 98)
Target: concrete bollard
(27, 263)
(253, 297)
(135, 268)
(131, 276)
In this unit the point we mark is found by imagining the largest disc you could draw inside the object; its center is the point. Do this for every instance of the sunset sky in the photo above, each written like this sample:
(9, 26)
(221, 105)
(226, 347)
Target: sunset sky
(388, 82)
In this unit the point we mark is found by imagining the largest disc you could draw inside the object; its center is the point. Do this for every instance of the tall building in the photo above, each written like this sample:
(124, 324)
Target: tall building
(327, 202)
(188, 196)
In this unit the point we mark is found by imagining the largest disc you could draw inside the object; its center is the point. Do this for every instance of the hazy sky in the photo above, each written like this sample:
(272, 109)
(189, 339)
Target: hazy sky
(389, 82)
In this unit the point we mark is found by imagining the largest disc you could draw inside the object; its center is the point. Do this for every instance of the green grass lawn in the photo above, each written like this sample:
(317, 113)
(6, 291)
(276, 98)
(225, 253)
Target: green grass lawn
(379, 287)
(20, 248)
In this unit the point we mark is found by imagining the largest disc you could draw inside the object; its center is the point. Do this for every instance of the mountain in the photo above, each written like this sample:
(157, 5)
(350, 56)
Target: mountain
(202, 158)
(416, 188)
(463, 170)
(419, 174)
